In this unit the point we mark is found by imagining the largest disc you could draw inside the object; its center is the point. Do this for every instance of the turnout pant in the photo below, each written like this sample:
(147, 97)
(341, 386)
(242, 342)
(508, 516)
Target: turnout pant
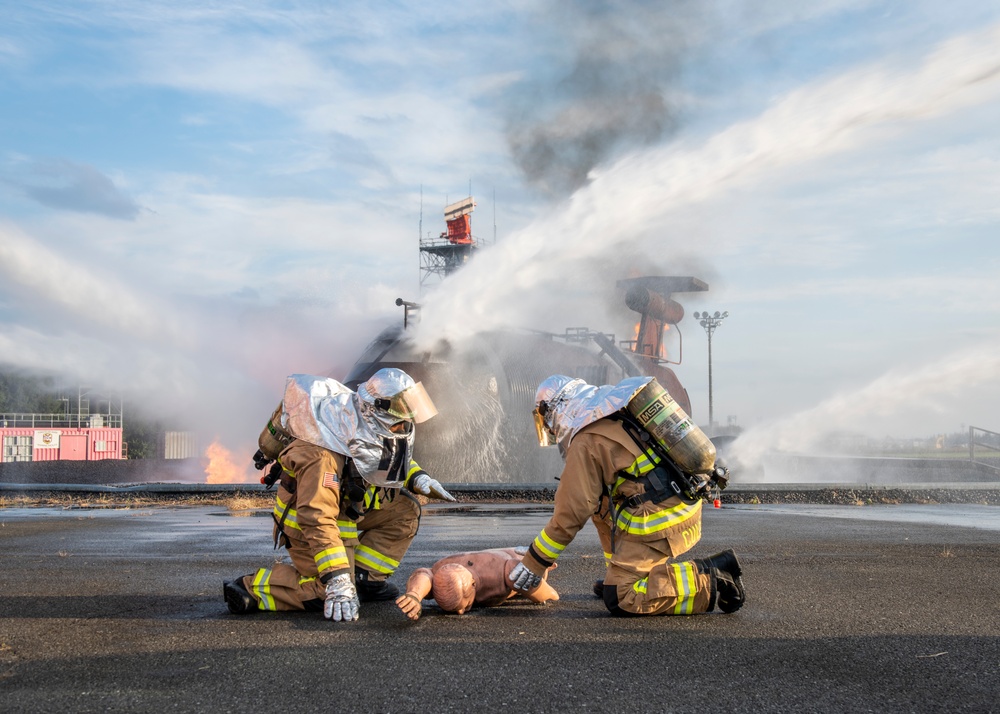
(376, 543)
(640, 580)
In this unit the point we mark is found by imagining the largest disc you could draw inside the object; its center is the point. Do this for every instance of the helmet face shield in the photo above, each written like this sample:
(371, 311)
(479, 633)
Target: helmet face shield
(393, 396)
(545, 435)
(412, 404)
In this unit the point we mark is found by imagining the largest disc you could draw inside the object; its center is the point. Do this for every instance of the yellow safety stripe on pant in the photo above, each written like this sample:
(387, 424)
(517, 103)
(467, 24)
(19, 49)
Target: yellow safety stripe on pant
(608, 557)
(686, 583)
(303, 580)
(657, 521)
(685, 578)
(348, 530)
(331, 559)
(373, 560)
(291, 518)
(548, 547)
(261, 587)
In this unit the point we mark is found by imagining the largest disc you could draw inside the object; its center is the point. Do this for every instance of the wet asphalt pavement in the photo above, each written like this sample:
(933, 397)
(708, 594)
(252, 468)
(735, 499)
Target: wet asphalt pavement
(868, 608)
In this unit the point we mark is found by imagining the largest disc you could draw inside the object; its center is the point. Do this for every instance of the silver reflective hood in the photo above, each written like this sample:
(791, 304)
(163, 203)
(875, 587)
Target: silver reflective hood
(576, 404)
(324, 412)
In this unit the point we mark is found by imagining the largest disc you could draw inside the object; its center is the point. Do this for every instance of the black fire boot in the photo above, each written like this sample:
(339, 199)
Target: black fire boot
(373, 590)
(726, 561)
(730, 591)
(599, 588)
(239, 600)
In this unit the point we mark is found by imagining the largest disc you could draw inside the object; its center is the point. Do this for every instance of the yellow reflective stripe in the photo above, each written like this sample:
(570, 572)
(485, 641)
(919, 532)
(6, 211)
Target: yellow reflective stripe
(261, 587)
(303, 580)
(657, 521)
(291, 518)
(548, 547)
(373, 560)
(684, 578)
(645, 463)
(331, 558)
(348, 529)
(607, 557)
(640, 586)
(413, 471)
(371, 498)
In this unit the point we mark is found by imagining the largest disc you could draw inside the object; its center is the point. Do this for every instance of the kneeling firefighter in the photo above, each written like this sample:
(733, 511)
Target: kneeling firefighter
(344, 508)
(638, 466)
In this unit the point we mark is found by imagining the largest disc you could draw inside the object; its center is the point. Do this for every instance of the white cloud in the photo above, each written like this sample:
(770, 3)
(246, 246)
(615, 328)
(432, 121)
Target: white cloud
(37, 273)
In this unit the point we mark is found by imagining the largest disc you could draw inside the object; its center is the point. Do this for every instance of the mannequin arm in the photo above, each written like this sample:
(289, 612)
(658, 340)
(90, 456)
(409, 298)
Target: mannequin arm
(418, 587)
(543, 593)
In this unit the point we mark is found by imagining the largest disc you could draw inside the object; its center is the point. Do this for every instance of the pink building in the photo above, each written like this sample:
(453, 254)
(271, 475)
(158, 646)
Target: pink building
(53, 437)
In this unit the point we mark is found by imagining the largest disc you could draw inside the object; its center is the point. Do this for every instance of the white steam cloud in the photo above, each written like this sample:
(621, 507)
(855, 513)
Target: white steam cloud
(929, 388)
(515, 281)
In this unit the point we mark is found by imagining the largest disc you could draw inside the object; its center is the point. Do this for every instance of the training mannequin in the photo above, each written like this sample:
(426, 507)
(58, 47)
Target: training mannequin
(466, 580)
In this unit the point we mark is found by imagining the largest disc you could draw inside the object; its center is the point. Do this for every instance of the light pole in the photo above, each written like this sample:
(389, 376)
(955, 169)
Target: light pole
(710, 322)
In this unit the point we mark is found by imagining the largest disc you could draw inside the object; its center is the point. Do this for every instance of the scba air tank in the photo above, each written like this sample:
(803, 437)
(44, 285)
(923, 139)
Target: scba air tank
(663, 418)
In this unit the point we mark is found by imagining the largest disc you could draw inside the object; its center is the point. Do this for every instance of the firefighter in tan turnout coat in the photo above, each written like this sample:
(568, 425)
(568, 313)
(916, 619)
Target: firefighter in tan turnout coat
(644, 523)
(344, 509)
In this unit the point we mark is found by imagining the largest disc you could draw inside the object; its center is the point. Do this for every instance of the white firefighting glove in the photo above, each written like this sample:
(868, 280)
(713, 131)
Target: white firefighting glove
(523, 579)
(427, 486)
(341, 599)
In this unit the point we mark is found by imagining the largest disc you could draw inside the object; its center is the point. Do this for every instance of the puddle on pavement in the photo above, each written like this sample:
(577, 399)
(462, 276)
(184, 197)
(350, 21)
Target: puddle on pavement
(491, 509)
(964, 515)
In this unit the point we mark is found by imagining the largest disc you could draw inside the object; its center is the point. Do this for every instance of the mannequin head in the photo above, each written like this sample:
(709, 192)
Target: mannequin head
(454, 589)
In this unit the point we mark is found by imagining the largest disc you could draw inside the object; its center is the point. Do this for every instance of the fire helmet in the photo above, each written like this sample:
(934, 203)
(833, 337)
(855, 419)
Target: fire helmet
(564, 406)
(391, 396)
(549, 394)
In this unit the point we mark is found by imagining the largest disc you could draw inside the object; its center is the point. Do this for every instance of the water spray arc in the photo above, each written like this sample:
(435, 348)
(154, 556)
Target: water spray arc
(710, 323)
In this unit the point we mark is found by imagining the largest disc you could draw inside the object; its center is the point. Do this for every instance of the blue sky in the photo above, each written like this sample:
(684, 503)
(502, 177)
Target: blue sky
(196, 200)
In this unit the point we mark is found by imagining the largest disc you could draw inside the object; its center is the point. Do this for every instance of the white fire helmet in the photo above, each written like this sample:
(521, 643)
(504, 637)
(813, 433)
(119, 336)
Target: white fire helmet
(564, 406)
(391, 396)
(549, 394)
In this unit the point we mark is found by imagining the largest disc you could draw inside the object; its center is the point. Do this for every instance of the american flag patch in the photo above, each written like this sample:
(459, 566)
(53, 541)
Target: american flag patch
(330, 480)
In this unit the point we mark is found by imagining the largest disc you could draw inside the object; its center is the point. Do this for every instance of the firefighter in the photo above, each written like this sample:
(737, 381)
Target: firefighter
(606, 478)
(457, 583)
(345, 509)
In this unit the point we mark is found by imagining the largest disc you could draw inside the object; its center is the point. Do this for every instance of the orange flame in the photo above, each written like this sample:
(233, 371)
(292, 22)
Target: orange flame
(663, 344)
(221, 468)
